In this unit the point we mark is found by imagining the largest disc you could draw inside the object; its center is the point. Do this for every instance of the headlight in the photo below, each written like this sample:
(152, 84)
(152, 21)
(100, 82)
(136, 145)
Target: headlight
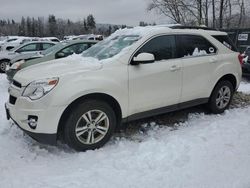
(37, 89)
(17, 65)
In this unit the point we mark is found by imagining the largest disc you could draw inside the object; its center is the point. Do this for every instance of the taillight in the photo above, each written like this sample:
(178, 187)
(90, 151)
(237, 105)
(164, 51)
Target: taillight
(241, 57)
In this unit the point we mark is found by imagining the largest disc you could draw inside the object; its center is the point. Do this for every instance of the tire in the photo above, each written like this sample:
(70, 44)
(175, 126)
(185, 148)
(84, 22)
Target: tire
(221, 97)
(84, 133)
(3, 64)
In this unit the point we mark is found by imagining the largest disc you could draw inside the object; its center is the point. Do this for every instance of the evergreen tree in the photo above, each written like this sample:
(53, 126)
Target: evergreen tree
(91, 25)
(22, 27)
(52, 25)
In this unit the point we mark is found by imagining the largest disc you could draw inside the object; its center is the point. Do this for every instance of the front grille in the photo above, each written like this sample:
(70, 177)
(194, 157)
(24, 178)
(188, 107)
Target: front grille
(12, 100)
(17, 84)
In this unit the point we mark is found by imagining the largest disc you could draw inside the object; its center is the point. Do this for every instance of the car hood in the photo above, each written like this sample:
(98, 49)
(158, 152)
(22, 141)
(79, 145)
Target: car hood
(37, 60)
(5, 53)
(57, 68)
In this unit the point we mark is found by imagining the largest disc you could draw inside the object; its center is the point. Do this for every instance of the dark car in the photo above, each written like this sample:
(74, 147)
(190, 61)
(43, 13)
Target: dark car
(246, 62)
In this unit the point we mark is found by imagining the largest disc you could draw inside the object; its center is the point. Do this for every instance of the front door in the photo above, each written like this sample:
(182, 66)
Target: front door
(158, 84)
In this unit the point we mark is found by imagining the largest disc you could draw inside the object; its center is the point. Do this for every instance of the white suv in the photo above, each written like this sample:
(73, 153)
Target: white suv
(135, 73)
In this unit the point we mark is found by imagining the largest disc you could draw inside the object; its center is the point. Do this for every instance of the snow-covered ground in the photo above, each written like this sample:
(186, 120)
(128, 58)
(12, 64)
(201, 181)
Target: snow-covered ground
(206, 151)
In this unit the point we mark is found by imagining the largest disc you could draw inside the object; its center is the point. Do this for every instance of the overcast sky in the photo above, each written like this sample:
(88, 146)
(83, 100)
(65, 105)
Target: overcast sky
(128, 12)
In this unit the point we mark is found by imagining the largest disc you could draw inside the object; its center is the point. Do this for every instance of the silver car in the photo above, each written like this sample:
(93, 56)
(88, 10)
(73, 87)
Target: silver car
(29, 48)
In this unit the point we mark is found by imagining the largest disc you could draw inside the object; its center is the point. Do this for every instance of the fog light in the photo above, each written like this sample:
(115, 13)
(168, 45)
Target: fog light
(32, 121)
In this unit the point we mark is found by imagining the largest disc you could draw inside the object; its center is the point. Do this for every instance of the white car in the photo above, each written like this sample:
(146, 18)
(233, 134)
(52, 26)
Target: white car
(134, 73)
(52, 39)
(27, 49)
(88, 37)
(13, 42)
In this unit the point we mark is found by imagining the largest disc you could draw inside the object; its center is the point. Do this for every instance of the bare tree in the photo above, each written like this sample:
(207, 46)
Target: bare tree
(224, 13)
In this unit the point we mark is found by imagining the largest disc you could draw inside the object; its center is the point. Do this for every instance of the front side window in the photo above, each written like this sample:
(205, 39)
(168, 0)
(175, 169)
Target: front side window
(162, 47)
(29, 47)
(192, 45)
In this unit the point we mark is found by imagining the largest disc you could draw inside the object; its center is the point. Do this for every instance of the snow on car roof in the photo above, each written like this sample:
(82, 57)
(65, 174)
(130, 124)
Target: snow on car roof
(150, 30)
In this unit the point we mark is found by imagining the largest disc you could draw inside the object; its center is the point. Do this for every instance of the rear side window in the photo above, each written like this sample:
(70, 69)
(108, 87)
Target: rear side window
(75, 48)
(192, 45)
(45, 46)
(224, 39)
(11, 40)
(55, 40)
(79, 48)
(162, 47)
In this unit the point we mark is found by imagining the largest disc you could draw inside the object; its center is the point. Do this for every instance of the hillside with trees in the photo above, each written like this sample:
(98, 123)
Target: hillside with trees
(52, 26)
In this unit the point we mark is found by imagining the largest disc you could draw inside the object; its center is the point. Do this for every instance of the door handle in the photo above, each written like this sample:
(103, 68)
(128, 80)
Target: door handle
(175, 68)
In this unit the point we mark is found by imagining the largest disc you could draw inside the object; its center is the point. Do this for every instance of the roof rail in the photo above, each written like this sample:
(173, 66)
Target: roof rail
(191, 27)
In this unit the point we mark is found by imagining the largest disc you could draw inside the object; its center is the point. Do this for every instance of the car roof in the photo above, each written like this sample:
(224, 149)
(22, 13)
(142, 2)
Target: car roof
(156, 30)
(81, 41)
(33, 42)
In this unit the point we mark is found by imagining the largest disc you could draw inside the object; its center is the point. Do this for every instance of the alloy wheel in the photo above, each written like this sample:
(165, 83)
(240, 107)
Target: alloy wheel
(91, 127)
(223, 97)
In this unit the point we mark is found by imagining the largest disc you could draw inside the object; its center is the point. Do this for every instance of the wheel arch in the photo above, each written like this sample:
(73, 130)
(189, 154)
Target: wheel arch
(96, 96)
(5, 59)
(229, 77)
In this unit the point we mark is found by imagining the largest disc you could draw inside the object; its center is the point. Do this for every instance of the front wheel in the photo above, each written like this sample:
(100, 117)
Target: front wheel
(90, 125)
(221, 97)
(3, 66)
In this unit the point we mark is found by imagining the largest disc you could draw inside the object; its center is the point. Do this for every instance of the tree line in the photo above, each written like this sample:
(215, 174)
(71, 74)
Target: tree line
(57, 27)
(212, 13)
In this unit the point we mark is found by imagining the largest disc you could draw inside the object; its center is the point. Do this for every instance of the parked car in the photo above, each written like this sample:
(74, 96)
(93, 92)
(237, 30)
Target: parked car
(28, 48)
(14, 42)
(60, 50)
(52, 39)
(88, 37)
(246, 62)
(134, 73)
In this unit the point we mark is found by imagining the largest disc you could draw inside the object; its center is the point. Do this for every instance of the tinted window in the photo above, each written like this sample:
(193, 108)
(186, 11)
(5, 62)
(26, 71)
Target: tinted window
(191, 45)
(29, 47)
(163, 47)
(46, 46)
(247, 52)
(11, 40)
(224, 39)
(55, 40)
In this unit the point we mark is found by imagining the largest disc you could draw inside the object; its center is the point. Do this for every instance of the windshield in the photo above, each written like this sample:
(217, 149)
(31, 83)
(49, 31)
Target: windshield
(53, 48)
(110, 47)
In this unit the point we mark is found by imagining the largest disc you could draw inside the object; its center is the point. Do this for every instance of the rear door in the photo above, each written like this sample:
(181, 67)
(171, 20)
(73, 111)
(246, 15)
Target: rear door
(199, 59)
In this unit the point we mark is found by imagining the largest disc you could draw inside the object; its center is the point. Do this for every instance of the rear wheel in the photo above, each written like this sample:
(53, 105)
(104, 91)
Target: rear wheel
(221, 97)
(90, 125)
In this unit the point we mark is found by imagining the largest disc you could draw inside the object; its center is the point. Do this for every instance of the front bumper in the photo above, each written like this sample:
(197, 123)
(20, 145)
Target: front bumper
(20, 109)
(49, 139)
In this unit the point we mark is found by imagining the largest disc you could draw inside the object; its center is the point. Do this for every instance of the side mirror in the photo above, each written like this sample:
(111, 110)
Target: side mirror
(60, 55)
(143, 58)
